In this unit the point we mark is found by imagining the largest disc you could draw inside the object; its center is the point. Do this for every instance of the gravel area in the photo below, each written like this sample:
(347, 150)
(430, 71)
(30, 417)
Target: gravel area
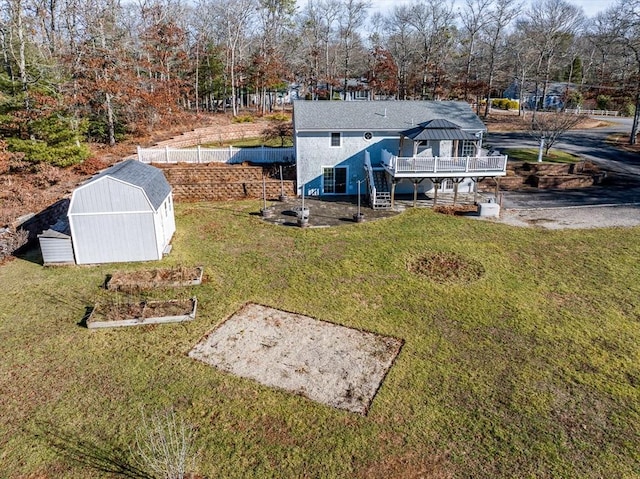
(574, 217)
(325, 362)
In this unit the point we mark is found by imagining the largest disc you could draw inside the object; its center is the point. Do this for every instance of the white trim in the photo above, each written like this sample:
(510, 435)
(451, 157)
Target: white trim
(91, 182)
(346, 183)
(106, 213)
(331, 133)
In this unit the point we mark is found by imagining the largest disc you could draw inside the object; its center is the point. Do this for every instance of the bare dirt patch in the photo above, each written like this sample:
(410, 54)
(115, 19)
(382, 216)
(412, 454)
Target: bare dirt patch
(132, 281)
(447, 267)
(325, 362)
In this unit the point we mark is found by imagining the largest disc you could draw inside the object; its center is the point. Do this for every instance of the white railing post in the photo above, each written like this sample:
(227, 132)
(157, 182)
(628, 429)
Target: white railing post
(466, 164)
(230, 153)
(435, 164)
(138, 151)
(199, 159)
(166, 154)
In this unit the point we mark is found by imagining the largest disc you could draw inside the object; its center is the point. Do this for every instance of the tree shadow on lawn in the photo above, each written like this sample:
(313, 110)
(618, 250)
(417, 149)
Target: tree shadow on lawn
(94, 452)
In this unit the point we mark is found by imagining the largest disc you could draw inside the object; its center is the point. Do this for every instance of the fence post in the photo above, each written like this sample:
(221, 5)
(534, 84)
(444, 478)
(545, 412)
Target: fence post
(138, 151)
(166, 154)
(198, 153)
(230, 153)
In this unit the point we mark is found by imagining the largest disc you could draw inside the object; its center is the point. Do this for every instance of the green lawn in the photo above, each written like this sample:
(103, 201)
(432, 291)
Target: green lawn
(531, 371)
(531, 155)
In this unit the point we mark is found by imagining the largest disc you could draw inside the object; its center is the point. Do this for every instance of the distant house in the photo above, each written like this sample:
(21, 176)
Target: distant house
(390, 146)
(554, 98)
(125, 213)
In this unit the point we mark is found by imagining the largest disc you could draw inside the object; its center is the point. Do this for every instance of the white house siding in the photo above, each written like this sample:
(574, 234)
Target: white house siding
(114, 237)
(314, 152)
(108, 195)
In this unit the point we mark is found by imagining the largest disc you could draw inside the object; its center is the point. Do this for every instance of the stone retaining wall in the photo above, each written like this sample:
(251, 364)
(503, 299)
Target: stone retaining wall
(219, 182)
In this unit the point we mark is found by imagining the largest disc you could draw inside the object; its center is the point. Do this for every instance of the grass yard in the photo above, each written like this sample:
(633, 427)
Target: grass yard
(531, 155)
(530, 369)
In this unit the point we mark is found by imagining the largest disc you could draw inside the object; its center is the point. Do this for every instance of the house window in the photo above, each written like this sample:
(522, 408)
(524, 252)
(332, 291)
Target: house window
(335, 139)
(334, 180)
(468, 148)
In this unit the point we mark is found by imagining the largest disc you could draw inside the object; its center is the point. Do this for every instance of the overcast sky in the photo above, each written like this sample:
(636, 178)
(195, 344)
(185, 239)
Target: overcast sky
(590, 7)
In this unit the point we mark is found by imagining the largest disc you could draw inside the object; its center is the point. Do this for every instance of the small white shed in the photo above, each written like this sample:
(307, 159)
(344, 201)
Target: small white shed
(124, 213)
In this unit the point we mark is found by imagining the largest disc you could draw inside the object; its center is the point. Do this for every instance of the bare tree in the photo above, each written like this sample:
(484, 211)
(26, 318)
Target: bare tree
(550, 27)
(164, 445)
(551, 126)
(493, 32)
(624, 23)
(434, 23)
(353, 16)
(403, 45)
(473, 17)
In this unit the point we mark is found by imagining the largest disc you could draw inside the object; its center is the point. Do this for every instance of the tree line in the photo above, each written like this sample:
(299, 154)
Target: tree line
(96, 70)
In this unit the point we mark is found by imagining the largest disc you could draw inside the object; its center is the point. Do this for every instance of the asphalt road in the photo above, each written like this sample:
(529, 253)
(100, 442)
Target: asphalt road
(623, 168)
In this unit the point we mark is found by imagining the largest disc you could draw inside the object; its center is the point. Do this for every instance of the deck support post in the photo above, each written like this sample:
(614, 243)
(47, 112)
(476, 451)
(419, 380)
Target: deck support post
(393, 193)
(415, 193)
(436, 185)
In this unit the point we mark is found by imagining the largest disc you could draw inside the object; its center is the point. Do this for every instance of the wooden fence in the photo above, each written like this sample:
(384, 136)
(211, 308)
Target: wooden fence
(231, 155)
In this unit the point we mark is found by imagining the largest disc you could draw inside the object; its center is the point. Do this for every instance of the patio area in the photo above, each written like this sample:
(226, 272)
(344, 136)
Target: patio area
(336, 211)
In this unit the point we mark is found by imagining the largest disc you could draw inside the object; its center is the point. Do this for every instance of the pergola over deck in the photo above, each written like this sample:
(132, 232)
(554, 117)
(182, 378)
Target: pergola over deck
(419, 166)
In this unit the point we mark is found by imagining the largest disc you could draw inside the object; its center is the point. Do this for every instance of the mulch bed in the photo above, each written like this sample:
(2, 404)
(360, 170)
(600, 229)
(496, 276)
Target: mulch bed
(115, 314)
(155, 278)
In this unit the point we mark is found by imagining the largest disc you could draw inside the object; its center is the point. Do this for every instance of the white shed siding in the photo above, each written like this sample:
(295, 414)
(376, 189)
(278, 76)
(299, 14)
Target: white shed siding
(108, 195)
(116, 237)
(56, 250)
(164, 224)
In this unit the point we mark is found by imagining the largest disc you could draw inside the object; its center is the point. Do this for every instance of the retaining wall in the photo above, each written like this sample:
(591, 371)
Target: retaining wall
(216, 182)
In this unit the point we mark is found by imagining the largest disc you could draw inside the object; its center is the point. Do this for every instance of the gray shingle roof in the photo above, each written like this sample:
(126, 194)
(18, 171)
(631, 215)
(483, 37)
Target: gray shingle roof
(147, 177)
(379, 115)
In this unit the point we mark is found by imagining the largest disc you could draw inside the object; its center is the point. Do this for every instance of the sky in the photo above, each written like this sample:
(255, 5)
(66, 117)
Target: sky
(590, 7)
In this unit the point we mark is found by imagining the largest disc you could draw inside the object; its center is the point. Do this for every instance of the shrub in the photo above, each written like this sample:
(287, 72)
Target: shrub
(242, 119)
(38, 151)
(603, 101)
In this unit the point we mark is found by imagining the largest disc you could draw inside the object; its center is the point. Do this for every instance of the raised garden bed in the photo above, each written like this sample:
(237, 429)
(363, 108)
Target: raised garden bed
(155, 278)
(115, 315)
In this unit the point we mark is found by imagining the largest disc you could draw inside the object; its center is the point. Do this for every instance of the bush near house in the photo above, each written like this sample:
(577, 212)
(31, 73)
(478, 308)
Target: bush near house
(504, 104)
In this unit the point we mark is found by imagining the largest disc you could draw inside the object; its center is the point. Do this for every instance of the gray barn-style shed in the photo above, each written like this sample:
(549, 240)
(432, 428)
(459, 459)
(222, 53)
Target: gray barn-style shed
(125, 213)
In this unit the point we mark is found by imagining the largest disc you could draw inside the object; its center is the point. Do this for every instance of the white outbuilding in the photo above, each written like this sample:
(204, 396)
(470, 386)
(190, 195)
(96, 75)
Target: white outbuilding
(124, 213)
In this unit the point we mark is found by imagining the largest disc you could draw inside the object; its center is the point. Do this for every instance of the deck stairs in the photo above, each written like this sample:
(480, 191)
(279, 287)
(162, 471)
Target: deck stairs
(380, 195)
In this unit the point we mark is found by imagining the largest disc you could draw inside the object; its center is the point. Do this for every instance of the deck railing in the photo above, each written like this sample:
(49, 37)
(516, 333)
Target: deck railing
(441, 165)
(232, 155)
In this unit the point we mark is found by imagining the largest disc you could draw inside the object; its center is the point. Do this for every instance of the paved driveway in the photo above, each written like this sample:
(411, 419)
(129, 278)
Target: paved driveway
(624, 168)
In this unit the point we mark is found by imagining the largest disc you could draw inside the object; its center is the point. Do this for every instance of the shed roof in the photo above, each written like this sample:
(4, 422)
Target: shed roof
(149, 178)
(379, 115)
(439, 129)
(59, 230)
